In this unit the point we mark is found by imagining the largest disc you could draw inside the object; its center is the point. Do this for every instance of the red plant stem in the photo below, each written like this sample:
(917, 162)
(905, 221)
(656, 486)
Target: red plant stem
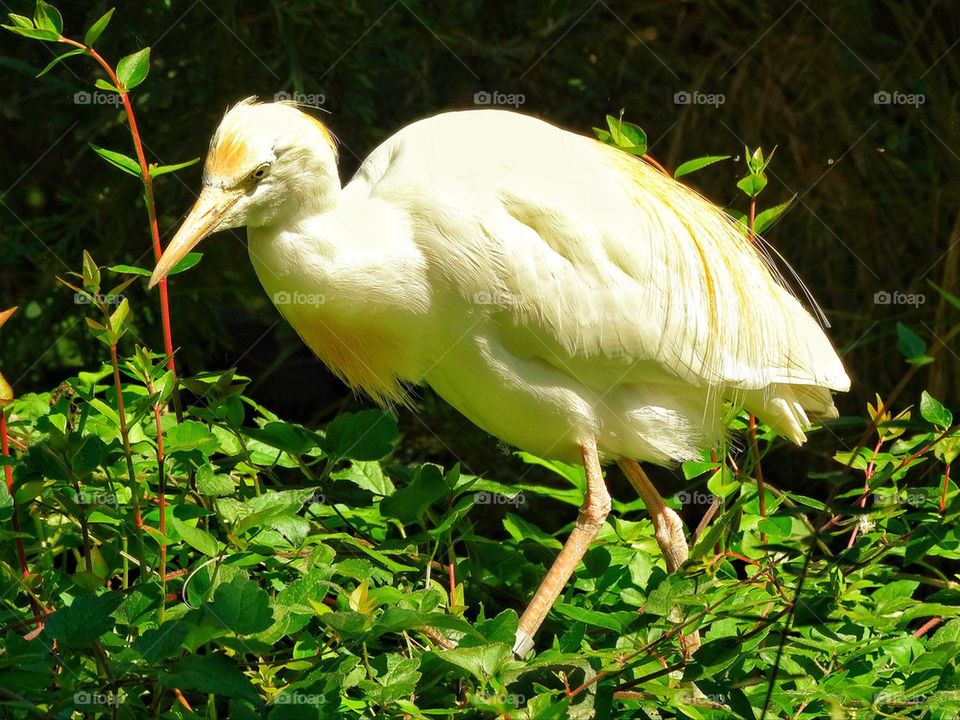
(149, 201)
(132, 475)
(657, 165)
(39, 613)
(453, 583)
(8, 471)
(928, 625)
(943, 492)
(867, 476)
(161, 491)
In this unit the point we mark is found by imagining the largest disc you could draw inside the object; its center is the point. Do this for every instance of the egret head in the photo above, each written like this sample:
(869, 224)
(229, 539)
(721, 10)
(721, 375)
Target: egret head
(266, 161)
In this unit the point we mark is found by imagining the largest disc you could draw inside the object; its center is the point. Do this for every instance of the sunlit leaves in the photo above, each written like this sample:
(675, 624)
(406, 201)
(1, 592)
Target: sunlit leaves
(624, 135)
(934, 412)
(132, 70)
(96, 30)
(756, 179)
(118, 160)
(45, 25)
(58, 59)
(691, 166)
(242, 605)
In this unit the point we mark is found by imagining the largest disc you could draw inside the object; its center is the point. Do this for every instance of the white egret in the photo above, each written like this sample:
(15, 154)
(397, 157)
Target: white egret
(563, 295)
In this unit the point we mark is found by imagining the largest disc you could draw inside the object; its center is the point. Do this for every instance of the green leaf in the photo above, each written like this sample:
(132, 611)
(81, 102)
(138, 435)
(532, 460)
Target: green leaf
(627, 136)
(398, 680)
(483, 661)
(189, 260)
(20, 21)
(590, 617)
(776, 526)
(91, 274)
(118, 160)
(284, 436)
(210, 482)
(162, 642)
(213, 674)
(603, 136)
(949, 297)
(365, 435)
(104, 85)
(912, 346)
(695, 468)
(93, 34)
(722, 483)
(769, 216)
(753, 184)
(198, 539)
(58, 58)
(85, 620)
(130, 270)
(410, 503)
(691, 166)
(157, 170)
(118, 319)
(934, 412)
(132, 70)
(519, 528)
(502, 628)
(242, 605)
(31, 32)
(190, 435)
(47, 17)
(713, 656)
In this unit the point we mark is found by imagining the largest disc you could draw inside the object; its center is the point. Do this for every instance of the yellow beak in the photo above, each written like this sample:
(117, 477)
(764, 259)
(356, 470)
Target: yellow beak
(204, 218)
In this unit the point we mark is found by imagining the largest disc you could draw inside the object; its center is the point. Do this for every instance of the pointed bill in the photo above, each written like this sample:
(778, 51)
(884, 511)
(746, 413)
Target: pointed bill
(204, 218)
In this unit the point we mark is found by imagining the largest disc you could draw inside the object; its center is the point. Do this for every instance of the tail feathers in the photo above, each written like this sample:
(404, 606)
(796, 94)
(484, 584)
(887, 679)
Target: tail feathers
(788, 409)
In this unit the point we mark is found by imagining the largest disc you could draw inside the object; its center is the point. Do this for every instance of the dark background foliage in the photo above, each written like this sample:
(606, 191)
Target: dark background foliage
(877, 206)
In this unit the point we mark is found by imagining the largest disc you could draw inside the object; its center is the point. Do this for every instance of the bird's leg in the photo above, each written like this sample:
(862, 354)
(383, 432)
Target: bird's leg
(667, 529)
(596, 506)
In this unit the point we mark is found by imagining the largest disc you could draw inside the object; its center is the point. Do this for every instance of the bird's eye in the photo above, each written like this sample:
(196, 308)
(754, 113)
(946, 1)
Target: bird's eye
(260, 172)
